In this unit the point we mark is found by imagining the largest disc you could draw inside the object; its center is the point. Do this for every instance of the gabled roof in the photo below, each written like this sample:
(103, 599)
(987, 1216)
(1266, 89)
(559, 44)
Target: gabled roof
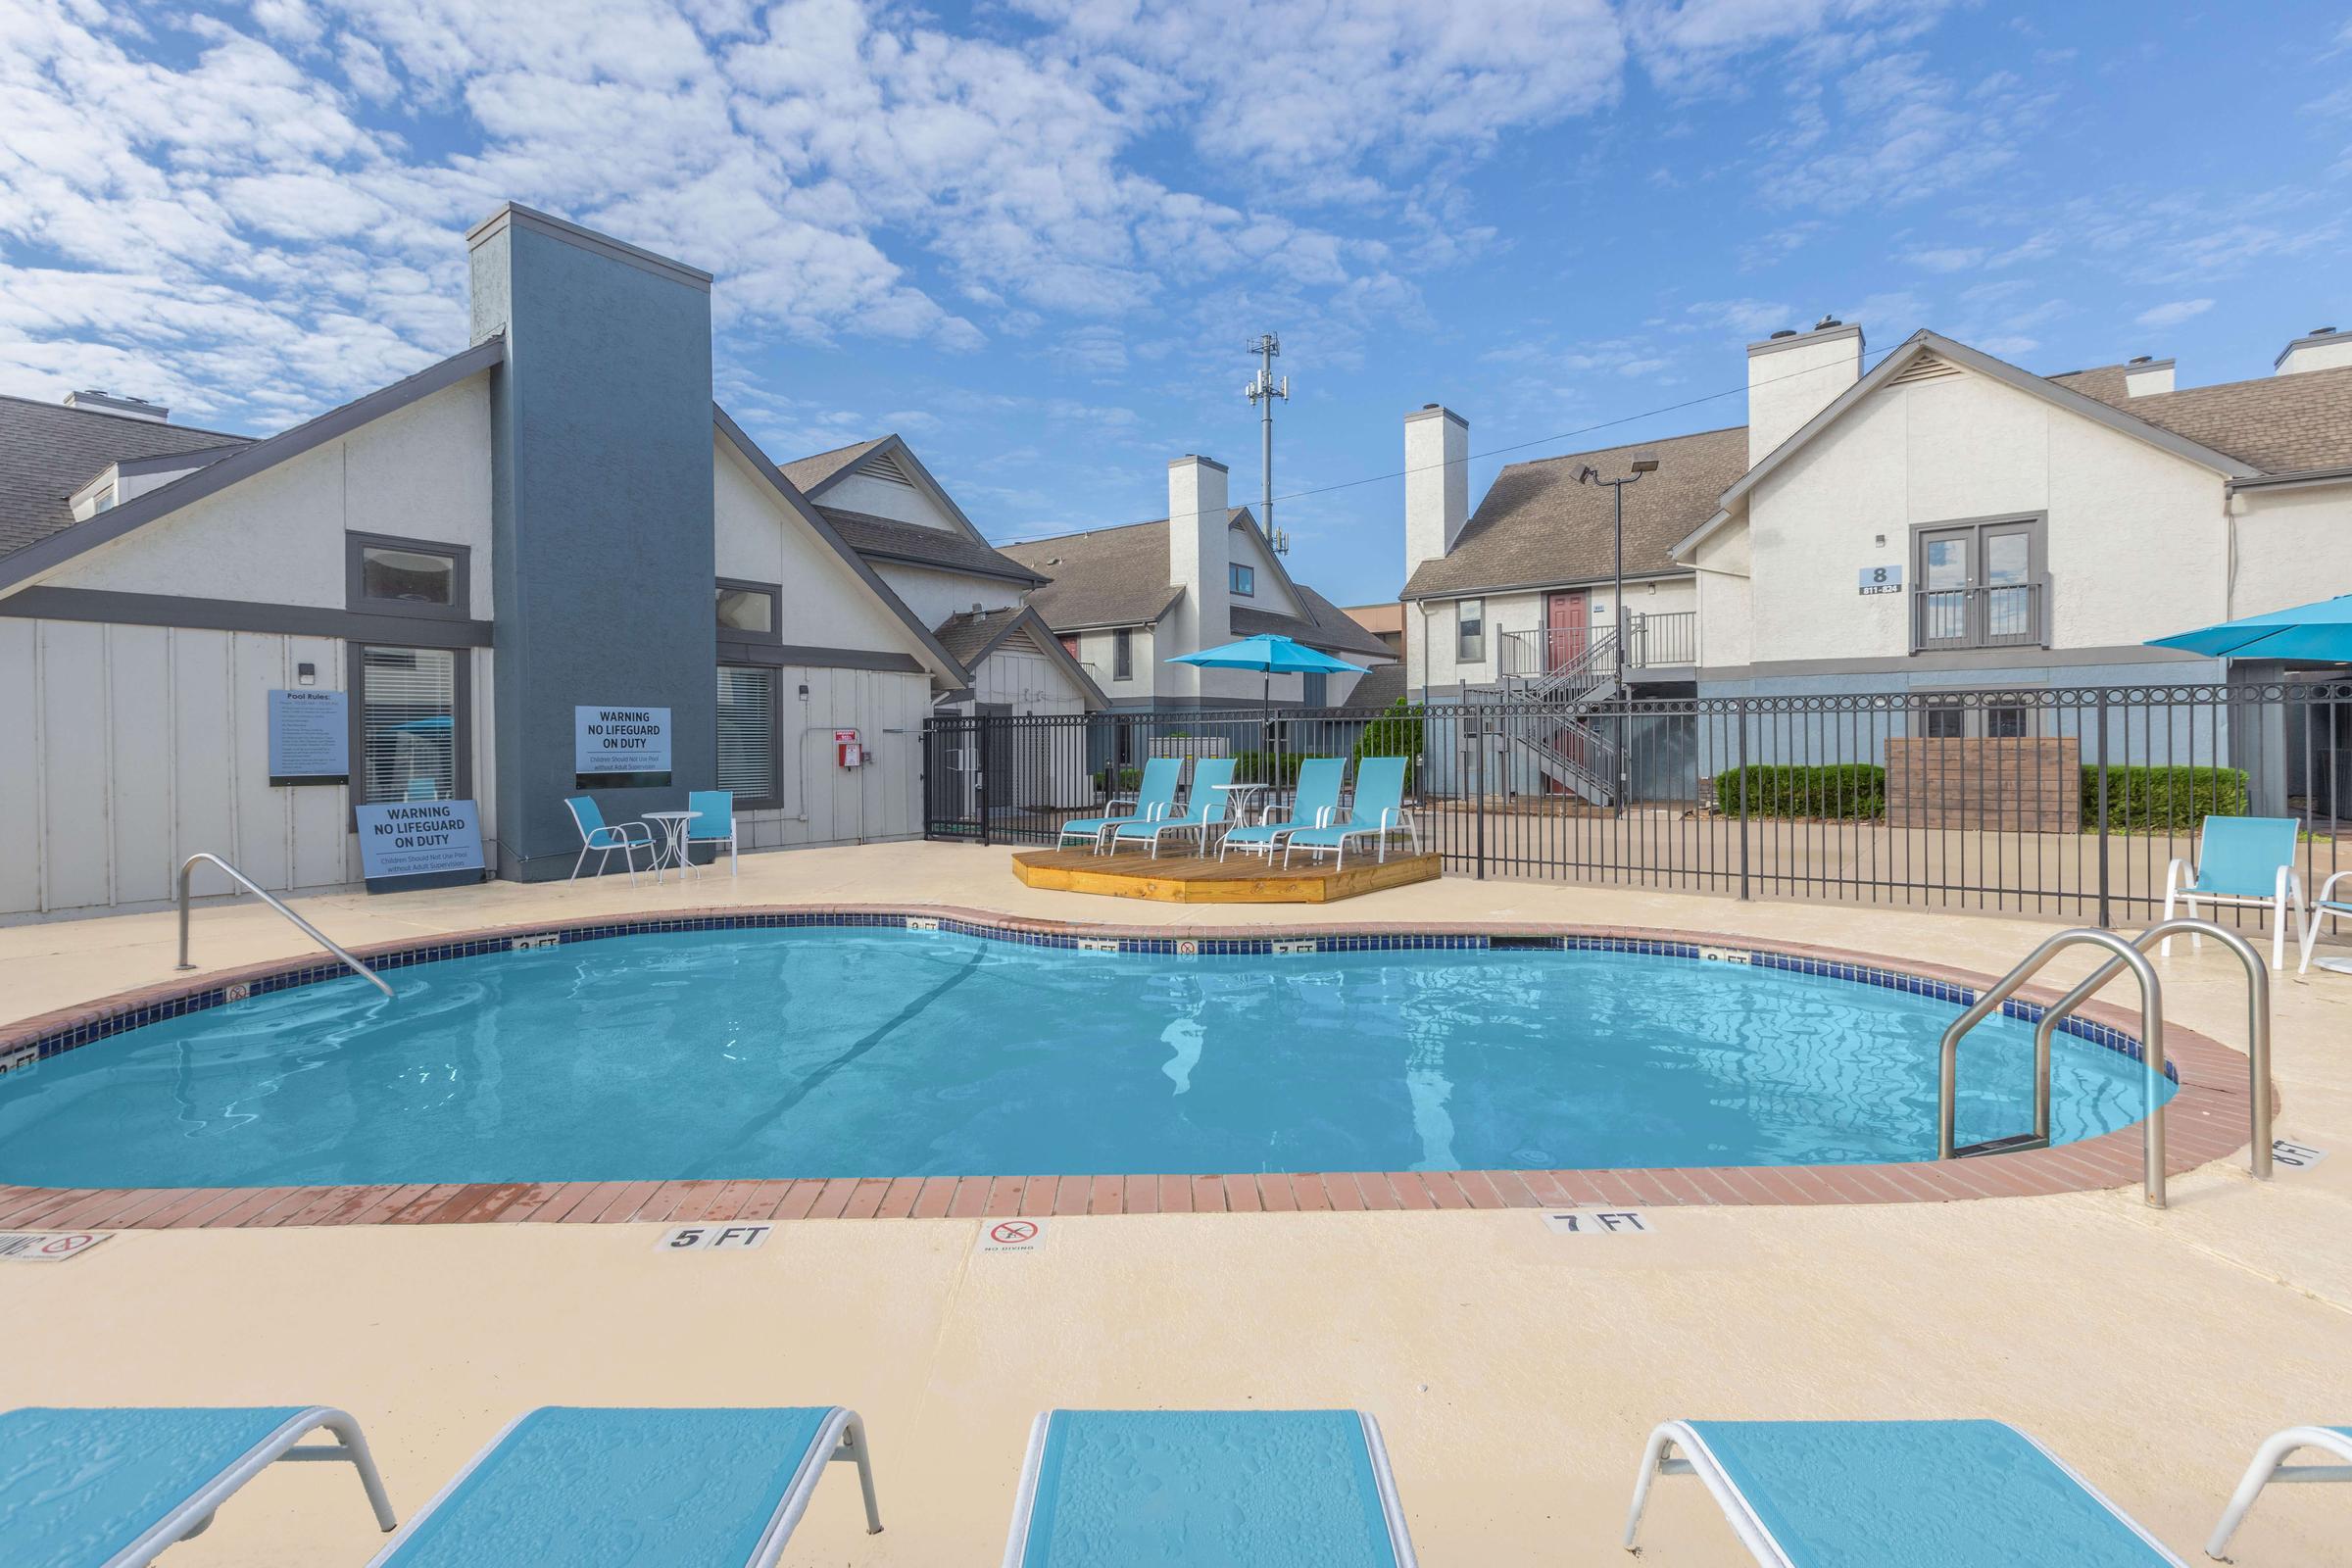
(1924, 343)
(1539, 527)
(749, 450)
(2278, 424)
(1119, 577)
(972, 638)
(962, 549)
(52, 550)
(48, 451)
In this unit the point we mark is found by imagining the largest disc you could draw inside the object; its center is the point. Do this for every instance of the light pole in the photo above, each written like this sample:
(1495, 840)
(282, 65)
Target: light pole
(1587, 474)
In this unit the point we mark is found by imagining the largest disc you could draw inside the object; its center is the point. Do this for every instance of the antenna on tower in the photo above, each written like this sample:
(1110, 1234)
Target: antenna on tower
(1262, 389)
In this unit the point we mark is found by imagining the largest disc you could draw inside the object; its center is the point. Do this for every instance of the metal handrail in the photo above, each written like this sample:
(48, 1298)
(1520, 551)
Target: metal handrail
(312, 932)
(2151, 1051)
(2258, 1019)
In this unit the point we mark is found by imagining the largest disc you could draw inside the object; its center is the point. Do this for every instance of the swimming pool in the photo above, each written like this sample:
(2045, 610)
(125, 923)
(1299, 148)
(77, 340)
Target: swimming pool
(833, 1051)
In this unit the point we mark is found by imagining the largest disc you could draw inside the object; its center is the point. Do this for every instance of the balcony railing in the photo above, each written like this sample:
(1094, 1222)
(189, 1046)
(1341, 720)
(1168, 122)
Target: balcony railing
(2002, 616)
(1650, 641)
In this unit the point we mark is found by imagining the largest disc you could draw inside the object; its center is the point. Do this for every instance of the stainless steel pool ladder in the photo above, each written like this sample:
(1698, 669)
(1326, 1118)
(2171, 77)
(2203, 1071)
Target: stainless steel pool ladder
(2130, 954)
(189, 865)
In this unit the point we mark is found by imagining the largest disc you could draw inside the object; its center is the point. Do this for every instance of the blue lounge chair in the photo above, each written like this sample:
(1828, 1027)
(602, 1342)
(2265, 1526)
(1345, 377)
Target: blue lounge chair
(116, 1488)
(1204, 809)
(2270, 1464)
(2244, 860)
(1377, 811)
(713, 823)
(601, 840)
(1315, 803)
(1896, 1494)
(2327, 905)
(650, 1489)
(1240, 1489)
(1154, 799)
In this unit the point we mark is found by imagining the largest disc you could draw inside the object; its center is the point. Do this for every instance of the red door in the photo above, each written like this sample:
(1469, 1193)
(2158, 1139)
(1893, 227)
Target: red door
(1566, 624)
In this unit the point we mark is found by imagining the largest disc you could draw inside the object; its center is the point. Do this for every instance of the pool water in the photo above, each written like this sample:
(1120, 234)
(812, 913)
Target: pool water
(874, 1052)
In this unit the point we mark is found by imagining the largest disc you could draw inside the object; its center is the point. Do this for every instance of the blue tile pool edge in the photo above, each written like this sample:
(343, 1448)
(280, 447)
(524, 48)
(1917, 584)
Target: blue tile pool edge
(24, 1051)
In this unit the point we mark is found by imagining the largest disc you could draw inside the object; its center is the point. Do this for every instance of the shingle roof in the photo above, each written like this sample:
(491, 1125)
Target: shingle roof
(2278, 424)
(1379, 689)
(887, 538)
(808, 472)
(1539, 526)
(2103, 382)
(964, 635)
(1119, 577)
(48, 451)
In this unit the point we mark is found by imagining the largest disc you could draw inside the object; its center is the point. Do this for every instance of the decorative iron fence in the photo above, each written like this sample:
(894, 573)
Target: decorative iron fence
(2064, 802)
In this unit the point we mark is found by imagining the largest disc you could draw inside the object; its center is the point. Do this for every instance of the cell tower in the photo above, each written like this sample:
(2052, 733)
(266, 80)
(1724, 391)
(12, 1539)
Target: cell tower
(1262, 389)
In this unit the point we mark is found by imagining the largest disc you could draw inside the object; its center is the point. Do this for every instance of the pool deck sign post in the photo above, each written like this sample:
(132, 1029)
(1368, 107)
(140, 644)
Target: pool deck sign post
(310, 737)
(609, 740)
(411, 843)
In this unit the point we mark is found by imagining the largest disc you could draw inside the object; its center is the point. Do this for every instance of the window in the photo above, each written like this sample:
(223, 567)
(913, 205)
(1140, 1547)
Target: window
(2007, 723)
(748, 751)
(1069, 645)
(1470, 632)
(1945, 723)
(747, 611)
(1315, 689)
(1979, 584)
(1122, 655)
(1244, 580)
(406, 576)
(406, 724)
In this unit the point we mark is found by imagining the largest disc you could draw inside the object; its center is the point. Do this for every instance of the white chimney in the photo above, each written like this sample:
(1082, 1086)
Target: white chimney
(1793, 376)
(2145, 376)
(110, 403)
(1437, 482)
(2322, 348)
(1198, 564)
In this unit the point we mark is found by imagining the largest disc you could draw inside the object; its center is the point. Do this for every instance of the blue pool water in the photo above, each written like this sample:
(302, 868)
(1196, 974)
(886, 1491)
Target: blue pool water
(864, 1052)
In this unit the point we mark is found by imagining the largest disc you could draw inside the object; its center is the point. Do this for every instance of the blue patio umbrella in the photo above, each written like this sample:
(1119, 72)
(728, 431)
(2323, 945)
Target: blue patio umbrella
(2319, 631)
(1272, 656)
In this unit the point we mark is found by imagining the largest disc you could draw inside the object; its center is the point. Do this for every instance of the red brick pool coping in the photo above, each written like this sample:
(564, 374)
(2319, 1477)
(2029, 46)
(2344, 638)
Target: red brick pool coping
(2207, 1120)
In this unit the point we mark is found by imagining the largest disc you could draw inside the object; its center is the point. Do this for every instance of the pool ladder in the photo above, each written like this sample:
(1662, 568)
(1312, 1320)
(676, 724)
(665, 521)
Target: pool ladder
(2127, 954)
(189, 865)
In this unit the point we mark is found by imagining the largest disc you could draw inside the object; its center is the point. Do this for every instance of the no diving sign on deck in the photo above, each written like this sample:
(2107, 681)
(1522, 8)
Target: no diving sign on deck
(47, 1247)
(1011, 1235)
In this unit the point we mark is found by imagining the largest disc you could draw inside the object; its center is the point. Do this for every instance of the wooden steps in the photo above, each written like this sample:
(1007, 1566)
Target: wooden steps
(1196, 879)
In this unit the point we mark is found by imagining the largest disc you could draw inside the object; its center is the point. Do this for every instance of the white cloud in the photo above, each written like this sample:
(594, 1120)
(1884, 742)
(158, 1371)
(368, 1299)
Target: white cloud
(2173, 312)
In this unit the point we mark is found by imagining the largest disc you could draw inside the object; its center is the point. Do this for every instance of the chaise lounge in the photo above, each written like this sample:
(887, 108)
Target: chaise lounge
(1154, 799)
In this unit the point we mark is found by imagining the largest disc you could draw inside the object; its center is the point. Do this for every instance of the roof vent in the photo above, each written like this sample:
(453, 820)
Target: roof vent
(96, 401)
(2140, 359)
(1785, 331)
(1826, 322)
(2322, 331)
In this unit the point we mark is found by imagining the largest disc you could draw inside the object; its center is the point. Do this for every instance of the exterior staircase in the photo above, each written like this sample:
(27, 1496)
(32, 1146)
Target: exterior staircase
(1557, 698)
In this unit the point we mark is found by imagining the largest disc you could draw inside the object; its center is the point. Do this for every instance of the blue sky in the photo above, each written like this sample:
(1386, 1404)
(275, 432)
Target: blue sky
(1033, 236)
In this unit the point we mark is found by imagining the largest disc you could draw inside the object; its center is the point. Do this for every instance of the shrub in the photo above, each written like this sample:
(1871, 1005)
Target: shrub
(1116, 780)
(1855, 790)
(1396, 733)
(1279, 769)
(2148, 799)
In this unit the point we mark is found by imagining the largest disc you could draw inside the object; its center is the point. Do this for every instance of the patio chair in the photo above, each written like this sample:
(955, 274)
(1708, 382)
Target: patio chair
(598, 839)
(1379, 809)
(1242, 1488)
(1315, 803)
(713, 823)
(2270, 1464)
(1204, 809)
(566, 1484)
(121, 1486)
(2327, 906)
(1155, 797)
(1896, 1494)
(2244, 860)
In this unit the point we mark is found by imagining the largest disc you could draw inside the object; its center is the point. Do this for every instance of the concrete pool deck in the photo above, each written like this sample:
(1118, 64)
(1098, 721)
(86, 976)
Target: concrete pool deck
(1515, 1371)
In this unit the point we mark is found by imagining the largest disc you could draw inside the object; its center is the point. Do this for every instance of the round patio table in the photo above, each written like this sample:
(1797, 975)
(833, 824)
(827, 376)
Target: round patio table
(673, 850)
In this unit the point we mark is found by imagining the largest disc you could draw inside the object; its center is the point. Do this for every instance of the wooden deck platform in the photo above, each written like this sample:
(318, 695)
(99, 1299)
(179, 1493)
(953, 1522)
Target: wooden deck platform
(1193, 879)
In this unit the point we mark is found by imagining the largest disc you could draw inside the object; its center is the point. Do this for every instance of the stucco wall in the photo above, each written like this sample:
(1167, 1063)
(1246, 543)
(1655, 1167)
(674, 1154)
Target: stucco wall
(759, 537)
(886, 498)
(934, 596)
(2135, 541)
(148, 744)
(422, 473)
(2293, 546)
(1437, 666)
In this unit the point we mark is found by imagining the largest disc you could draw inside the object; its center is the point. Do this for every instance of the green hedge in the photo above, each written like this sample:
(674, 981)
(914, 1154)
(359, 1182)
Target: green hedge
(1396, 733)
(2144, 800)
(1258, 767)
(1838, 790)
(1116, 780)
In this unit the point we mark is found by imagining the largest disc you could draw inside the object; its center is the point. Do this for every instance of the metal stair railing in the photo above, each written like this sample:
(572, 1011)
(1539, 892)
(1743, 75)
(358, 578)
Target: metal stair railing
(249, 885)
(1596, 771)
(2129, 954)
(1594, 671)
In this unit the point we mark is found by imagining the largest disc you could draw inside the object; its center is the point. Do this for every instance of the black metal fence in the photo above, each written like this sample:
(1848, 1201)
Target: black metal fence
(2059, 802)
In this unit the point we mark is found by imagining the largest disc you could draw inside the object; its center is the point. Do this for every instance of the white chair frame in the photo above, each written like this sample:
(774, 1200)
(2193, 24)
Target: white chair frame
(2284, 900)
(2270, 1464)
(2319, 909)
(614, 836)
(1397, 819)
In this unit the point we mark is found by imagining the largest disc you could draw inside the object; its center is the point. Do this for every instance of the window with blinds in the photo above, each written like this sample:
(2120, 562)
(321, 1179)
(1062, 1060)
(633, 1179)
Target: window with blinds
(408, 724)
(746, 734)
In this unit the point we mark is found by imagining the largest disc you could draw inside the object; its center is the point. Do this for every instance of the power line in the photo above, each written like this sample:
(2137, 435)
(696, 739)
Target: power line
(1490, 452)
